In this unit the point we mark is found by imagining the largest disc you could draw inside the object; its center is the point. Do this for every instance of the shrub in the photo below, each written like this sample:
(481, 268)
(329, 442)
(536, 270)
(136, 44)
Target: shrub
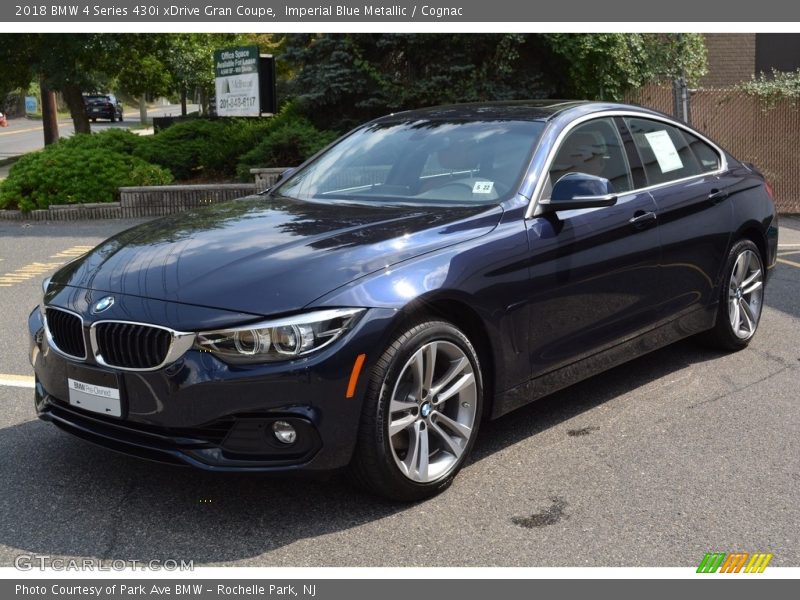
(110, 140)
(69, 174)
(202, 148)
(286, 145)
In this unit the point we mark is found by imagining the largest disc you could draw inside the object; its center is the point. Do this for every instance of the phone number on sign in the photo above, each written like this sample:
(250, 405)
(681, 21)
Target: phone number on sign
(237, 102)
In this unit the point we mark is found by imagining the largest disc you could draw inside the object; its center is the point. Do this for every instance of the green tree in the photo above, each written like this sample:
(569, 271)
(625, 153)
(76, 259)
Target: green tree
(189, 59)
(603, 66)
(343, 79)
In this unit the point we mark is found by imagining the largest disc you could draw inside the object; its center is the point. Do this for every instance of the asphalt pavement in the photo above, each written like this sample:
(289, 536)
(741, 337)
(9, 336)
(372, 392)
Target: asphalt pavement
(679, 453)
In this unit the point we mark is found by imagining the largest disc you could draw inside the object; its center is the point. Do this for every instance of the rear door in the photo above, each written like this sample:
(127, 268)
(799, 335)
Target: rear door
(694, 215)
(594, 272)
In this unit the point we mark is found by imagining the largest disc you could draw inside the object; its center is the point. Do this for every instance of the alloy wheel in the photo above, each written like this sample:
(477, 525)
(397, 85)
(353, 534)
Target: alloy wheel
(745, 294)
(432, 411)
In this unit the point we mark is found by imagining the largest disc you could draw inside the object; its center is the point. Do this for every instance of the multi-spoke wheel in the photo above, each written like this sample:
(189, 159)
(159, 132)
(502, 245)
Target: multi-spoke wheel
(421, 413)
(742, 298)
(745, 291)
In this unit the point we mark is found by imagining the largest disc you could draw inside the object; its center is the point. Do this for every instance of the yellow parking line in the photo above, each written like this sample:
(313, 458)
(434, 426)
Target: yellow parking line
(39, 268)
(23, 381)
(72, 252)
(789, 262)
(26, 272)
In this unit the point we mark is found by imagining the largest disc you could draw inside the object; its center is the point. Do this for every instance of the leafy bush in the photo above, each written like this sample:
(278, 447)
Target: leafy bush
(110, 140)
(202, 148)
(286, 145)
(67, 173)
(773, 88)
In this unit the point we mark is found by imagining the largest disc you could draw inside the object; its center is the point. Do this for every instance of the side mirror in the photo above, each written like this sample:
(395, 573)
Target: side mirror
(580, 190)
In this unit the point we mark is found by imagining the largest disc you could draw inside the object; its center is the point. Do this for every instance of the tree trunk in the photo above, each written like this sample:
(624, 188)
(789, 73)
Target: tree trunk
(183, 100)
(143, 109)
(49, 115)
(77, 107)
(203, 97)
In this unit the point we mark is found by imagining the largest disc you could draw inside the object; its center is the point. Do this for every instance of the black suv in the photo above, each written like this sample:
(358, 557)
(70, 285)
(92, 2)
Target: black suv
(103, 106)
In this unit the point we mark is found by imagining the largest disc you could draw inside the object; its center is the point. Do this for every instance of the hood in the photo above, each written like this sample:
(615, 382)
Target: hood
(265, 255)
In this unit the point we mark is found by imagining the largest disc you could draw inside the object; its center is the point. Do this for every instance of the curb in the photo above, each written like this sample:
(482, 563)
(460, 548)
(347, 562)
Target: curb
(155, 201)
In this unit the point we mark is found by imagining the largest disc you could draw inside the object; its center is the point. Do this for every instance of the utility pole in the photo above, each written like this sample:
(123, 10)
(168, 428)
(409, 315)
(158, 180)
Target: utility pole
(680, 90)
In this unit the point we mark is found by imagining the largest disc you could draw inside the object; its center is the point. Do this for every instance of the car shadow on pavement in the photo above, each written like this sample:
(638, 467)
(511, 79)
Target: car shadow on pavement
(570, 402)
(64, 497)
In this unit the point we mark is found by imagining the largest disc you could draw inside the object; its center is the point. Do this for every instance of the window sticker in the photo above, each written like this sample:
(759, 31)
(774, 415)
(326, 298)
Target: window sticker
(664, 149)
(483, 187)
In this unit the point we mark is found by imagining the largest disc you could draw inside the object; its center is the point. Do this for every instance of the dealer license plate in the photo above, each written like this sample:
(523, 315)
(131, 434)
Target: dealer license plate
(96, 398)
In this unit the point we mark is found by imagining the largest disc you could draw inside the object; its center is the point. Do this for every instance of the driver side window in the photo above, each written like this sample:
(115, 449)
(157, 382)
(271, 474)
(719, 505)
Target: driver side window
(594, 148)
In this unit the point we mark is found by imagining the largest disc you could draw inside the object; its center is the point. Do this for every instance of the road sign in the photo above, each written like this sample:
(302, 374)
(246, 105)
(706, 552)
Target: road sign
(31, 104)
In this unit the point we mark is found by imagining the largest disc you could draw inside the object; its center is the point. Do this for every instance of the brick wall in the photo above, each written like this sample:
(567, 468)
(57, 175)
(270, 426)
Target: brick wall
(731, 58)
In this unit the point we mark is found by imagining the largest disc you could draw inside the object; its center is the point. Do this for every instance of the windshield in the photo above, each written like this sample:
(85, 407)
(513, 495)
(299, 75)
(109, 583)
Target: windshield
(427, 161)
(97, 98)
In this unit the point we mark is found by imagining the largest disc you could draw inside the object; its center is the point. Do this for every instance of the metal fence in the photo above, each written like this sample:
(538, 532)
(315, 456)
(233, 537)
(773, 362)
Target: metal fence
(748, 127)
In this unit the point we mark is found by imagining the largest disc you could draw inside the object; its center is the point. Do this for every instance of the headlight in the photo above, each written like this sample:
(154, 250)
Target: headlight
(280, 339)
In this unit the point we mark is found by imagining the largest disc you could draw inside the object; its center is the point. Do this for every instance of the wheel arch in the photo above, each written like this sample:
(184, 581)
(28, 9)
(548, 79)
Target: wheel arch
(752, 231)
(458, 312)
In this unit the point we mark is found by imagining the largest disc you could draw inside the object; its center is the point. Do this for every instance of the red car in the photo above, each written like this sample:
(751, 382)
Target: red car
(3, 120)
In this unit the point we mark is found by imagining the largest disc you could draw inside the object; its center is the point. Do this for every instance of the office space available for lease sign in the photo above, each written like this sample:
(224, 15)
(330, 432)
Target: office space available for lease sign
(236, 73)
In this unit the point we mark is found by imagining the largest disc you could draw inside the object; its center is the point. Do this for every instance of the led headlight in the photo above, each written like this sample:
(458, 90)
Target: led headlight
(280, 339)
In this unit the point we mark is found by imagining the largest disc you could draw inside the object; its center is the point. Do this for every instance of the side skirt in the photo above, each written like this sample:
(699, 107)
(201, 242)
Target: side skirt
(683, 327)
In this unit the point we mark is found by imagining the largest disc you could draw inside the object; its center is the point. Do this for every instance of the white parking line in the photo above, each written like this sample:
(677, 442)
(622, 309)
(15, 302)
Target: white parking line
(23, 381)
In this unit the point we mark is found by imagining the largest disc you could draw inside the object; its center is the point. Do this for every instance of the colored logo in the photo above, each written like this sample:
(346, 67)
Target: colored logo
(103, 304)
(736, 562)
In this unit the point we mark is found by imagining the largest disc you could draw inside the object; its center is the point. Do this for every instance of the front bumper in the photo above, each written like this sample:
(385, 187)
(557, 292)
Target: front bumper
(201, 412)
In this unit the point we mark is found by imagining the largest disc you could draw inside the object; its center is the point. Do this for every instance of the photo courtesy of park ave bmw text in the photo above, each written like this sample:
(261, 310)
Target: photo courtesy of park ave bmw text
(338, 300)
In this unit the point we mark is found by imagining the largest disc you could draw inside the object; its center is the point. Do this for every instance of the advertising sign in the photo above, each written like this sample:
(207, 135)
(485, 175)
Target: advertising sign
(236, 73)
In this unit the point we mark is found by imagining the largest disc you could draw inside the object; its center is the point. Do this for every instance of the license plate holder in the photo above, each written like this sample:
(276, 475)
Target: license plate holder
(95, 391)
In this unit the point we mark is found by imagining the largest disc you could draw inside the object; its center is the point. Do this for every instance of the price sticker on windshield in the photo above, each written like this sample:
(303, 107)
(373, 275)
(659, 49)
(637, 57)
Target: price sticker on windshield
(483, 187)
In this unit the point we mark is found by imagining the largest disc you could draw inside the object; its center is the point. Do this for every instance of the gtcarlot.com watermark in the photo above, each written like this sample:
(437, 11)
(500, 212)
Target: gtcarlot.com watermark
(42, 562)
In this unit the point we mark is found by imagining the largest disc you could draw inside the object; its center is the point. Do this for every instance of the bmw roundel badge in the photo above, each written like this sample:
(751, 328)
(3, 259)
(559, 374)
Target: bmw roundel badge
(103, 304)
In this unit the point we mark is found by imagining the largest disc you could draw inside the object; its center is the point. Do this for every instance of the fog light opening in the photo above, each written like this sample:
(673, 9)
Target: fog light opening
(284, 432)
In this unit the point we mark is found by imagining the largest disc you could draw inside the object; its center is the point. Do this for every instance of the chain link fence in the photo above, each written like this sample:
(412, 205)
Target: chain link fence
(752, 129)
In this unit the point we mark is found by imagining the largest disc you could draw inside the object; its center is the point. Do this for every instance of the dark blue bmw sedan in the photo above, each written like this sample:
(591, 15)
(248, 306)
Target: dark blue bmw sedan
(427, 271)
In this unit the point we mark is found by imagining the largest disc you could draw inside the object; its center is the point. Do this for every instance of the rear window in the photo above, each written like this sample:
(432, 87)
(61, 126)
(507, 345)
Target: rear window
(664, 151)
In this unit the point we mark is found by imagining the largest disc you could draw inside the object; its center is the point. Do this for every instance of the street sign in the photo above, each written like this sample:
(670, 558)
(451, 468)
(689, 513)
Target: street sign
(31, 104)
(238, 92)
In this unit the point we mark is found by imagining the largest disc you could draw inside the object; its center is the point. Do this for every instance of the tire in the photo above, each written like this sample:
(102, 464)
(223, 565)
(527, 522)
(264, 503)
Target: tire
(406, 412)
(741, 299)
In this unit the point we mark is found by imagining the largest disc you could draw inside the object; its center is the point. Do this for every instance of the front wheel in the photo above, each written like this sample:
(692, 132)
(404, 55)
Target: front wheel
(741, 298)
(421, 413)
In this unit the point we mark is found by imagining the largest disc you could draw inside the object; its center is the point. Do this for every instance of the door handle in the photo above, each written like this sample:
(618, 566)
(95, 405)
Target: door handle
(718, 195)
(642, 219)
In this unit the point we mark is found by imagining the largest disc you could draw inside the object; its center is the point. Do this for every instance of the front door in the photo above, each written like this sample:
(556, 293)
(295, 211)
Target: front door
(594, 272)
